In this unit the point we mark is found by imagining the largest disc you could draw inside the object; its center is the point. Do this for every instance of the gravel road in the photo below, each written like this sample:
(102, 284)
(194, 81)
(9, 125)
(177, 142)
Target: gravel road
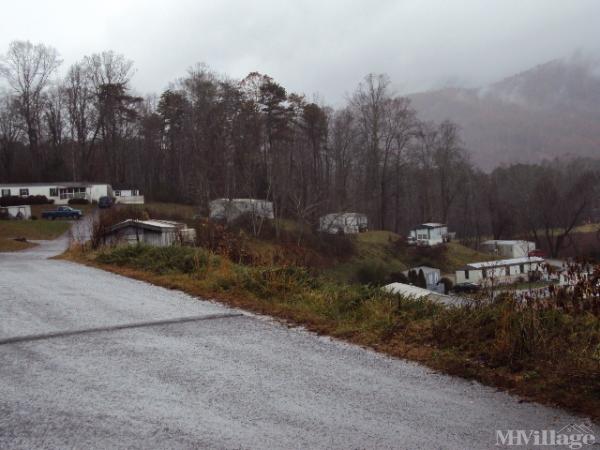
(74, 374)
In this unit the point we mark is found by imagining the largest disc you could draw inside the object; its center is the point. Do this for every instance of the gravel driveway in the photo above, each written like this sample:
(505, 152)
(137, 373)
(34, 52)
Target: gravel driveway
(89, 359)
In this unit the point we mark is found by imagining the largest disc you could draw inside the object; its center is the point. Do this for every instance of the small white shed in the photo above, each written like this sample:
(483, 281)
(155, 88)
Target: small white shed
(160, 233)
(347, 223)
(498, 272)
(15, 212)
(231, 209)
(128, 196)
(432, 275)
(428, 234)
(508, 248)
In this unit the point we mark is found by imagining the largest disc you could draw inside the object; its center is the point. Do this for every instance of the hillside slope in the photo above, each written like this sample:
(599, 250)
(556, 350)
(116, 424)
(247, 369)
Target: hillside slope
(549, 111)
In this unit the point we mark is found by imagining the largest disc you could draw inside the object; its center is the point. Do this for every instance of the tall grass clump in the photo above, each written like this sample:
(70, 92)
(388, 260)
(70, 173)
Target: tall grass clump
(159, 260)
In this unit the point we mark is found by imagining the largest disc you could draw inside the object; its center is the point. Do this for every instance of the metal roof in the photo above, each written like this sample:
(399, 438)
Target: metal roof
(155, 225)
(407, 290)
(504, 262)
(431, 225)
(507, 242)
(344, 214)
(55, 184)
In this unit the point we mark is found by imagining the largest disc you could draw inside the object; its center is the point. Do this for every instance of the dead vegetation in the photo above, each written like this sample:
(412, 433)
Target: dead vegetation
(546, 351)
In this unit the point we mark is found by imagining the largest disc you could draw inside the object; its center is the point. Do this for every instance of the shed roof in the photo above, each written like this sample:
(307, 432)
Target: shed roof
(506, 242)
(241, 200)
(344, 214)
(155, 225)
(55, 183)
(431, 225)
(504, 262)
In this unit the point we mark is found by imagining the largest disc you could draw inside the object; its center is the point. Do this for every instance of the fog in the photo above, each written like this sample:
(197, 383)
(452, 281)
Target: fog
(314, 47)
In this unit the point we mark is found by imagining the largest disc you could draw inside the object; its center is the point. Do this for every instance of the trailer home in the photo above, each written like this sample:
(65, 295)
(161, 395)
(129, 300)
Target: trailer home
(231, 209)
(428, 234)
(59, 192)
(346, 223)
(508, 248)
(499, 272)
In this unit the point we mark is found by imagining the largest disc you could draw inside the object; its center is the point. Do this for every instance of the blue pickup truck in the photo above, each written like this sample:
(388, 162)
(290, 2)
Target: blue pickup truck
(63, 212)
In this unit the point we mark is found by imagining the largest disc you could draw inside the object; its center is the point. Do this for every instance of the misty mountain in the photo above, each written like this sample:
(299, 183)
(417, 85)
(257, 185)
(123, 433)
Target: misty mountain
(552, 110)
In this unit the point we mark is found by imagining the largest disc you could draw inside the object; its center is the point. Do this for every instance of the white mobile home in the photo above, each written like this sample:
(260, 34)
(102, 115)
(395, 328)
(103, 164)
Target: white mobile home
(60, 192)
(498, 272)
(128, 196)
(508, 248)
(229, 210)
(347, 223)
(428, 234)
(15, 212)
(160, 233)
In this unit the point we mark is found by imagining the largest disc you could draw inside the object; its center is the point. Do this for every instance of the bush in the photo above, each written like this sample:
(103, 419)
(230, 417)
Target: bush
(255, 225)
(79, 201)
(421, 281)
(160, 260)
(398, 277)
(448, 284)
(14, 200)
(372, 274)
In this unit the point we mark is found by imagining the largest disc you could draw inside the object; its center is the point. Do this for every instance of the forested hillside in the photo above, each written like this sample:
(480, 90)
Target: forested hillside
(550, 111)
(211, 136)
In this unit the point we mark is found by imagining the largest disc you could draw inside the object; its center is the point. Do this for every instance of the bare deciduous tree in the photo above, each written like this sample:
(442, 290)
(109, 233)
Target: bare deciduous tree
(28, 68)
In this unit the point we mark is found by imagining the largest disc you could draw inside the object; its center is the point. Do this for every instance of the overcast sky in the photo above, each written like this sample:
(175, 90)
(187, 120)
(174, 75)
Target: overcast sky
(321, 46)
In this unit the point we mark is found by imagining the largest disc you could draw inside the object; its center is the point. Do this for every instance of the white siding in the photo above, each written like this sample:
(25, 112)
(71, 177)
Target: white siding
(14, 212)
(134, 235)
(349, 223)
(92, 192)
(500, 274)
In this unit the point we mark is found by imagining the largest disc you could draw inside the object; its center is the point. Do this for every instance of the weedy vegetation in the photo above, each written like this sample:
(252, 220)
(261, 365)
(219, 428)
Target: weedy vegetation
(548, 350)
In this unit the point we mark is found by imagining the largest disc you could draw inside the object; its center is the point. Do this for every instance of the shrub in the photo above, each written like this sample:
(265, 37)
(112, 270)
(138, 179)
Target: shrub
(372, 274)
(15, 200)
(448, 284)
(398, 277)
(160, 260)
(421, 281)
(255, 225)
(79, 201)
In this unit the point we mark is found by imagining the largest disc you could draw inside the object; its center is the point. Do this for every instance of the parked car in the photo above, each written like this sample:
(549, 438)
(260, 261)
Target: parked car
(63, 212)
(105, 202)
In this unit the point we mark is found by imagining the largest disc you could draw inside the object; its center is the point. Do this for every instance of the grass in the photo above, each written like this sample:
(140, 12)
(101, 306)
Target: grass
(30, 230)
(383, 251)
(547, 354)
(174, 211)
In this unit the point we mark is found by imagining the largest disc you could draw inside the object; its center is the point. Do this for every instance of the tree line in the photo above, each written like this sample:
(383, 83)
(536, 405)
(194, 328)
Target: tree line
(210, 136)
